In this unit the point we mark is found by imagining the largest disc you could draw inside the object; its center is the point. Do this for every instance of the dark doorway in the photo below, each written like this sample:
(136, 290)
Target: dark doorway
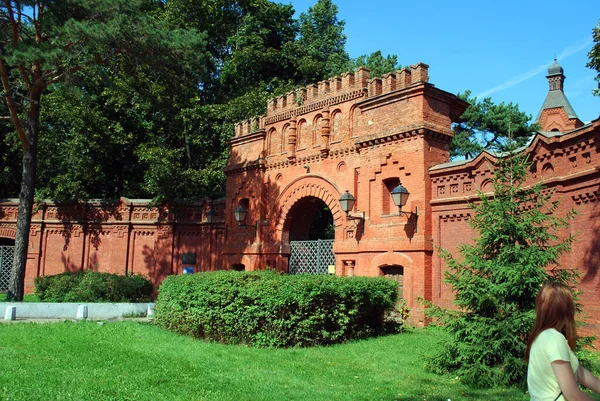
(312, 234)
(7, 248)
(396, 273)
(311, 220)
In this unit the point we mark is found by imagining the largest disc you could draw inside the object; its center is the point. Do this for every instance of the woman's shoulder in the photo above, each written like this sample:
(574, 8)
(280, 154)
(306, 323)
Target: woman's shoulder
(551, 335)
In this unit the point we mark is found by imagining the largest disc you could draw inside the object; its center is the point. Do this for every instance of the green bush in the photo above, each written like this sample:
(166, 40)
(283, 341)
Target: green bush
(268, 309)
(91, 286)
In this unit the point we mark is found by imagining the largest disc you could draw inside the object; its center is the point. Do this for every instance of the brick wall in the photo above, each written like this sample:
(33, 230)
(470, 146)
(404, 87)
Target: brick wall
(122, 237)
(565, 163)
(349, 133)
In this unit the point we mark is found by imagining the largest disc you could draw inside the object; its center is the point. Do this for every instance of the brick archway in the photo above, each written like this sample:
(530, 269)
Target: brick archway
(310, 185)
(8, 232)
(390, 259)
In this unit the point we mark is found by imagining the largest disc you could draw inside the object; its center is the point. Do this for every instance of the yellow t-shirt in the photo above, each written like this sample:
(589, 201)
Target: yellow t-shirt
(549, 346)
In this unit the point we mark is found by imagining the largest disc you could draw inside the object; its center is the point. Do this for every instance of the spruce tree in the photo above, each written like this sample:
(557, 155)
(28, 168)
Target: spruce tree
(495, 281)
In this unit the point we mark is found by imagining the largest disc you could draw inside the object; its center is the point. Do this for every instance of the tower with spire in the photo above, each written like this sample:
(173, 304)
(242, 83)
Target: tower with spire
(556, 113)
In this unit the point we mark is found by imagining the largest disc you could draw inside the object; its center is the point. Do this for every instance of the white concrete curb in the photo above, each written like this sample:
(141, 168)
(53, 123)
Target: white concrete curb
(56, 310)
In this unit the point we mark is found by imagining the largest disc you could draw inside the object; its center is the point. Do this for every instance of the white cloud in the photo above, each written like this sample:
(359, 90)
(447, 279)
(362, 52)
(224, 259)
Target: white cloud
(567, 52)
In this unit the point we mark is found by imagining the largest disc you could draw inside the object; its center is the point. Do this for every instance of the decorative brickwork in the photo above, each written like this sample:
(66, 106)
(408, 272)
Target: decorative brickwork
(345, 134)
(124, 237)
(349, 133)
(567, 164)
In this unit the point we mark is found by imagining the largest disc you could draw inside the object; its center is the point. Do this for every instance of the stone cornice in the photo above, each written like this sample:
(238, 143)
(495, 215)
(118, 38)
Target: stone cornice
(260, 164)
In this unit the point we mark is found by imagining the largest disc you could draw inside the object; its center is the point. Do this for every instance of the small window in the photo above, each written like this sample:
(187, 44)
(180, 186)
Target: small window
(238, 267)
(387, 203)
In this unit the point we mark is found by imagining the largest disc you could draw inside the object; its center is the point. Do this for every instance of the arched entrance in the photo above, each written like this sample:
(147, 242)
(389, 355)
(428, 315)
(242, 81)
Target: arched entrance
(311, 234)
(7, 250)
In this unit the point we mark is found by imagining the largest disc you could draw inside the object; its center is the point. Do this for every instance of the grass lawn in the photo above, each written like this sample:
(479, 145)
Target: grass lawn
(26, 298)
(138, 361)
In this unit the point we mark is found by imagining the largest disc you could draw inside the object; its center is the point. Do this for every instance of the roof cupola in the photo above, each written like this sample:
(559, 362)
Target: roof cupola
(556, 113)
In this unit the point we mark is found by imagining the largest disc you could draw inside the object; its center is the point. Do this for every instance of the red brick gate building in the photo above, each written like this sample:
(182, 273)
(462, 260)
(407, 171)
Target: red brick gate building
(350, 133)
(290, 167)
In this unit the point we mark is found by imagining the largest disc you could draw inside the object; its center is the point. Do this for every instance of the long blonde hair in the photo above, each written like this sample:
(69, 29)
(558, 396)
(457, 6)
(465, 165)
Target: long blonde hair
(554, 309)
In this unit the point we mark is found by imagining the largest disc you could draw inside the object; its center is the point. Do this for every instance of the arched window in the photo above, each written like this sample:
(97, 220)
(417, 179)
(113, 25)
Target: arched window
(336, 126)
(387, 203)
(285, 132)
(316, 131)
(274, 143)
(301, 135)
(396, 273)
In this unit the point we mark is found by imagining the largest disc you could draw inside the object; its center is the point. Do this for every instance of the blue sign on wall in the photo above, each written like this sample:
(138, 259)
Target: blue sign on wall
(188, 269)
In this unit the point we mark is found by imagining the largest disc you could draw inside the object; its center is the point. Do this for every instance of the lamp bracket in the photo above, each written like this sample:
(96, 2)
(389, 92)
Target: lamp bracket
(355, 216)
(220, 228)
(412, 217)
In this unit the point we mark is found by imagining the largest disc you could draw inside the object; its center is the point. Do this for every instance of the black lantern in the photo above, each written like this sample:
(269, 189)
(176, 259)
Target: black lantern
(347, 202)
(211, 217)
(400, 196)
(240, 214)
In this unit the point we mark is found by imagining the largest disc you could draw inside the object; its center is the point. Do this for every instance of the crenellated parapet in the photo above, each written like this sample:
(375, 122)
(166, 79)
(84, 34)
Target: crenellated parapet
(335, 90)
(250, 125)
(348, 82)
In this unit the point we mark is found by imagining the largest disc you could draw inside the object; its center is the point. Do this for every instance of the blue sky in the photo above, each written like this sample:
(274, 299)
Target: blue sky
(500, 49)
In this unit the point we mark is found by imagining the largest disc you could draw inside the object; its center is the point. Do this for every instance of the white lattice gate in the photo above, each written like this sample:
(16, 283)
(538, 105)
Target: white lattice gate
(6, 262)
(311, 257)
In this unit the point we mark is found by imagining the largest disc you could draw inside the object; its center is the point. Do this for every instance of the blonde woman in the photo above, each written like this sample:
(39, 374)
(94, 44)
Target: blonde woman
(554, 371)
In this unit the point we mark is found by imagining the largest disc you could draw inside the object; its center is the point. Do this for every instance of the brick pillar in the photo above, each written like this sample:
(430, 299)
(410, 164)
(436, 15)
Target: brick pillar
(349, 267)
(291, 145)
(325, 130)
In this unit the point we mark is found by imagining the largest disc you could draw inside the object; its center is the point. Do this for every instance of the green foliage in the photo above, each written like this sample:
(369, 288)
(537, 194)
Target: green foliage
(268, 309)
(377, 63)
(142, 96)
(489, 126)
(91, 286)
(497, 279)
(594, 56)
(321, 43)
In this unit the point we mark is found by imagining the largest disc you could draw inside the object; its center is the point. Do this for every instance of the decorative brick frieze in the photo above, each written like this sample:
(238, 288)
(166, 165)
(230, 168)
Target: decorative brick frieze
(9, 212)
(586, 197)
(454, 217)
(8, 231)
(309, 108)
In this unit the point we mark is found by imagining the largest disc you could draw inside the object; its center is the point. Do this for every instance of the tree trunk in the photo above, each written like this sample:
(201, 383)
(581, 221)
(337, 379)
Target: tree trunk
(16, 285)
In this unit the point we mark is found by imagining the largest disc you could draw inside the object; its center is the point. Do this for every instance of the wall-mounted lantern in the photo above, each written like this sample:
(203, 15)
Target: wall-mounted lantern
(240, 213)
(400, 197)
(211, 218)
(347, 202)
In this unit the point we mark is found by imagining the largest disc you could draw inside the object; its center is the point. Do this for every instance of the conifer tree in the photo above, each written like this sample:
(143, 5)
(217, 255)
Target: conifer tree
(594, 57)
(516, 249)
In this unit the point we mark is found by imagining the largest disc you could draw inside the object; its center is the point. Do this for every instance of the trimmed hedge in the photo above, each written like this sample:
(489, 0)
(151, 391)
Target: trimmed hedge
(264, 308)
(91, 286)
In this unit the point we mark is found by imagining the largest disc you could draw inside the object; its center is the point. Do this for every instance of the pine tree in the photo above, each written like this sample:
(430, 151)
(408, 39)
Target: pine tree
(44, 43)
(516, 250)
